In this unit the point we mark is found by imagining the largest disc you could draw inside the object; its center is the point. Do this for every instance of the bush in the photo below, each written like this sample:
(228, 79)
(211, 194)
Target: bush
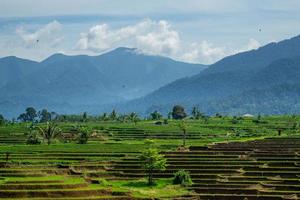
(182, 177)
(83, 138)
(84, 134)
(33, 139)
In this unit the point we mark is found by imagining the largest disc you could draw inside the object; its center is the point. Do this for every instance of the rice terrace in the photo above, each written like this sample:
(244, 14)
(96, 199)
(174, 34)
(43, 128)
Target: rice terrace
(227, 158)
(150, 100)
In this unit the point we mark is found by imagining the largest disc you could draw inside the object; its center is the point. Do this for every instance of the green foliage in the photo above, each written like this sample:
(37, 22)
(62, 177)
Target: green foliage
(29, 115)
(113, 115)
(49, 132)
(178, 112)
(133, 117)
(234, 120)
(183, 127)
(149, 143)
(152, 160)
(2, 120)
(44, 116)
(182, 177)
(83, 135)
(155, 115)
(84, 117)
(196, 113)
(33, 138)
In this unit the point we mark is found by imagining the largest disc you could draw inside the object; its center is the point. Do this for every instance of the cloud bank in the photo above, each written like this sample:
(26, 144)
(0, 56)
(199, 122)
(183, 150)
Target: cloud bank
(50, 35)
(148, 36)
(156, 38)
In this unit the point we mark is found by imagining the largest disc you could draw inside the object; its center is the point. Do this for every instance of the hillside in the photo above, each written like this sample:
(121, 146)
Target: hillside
(242, 76)
(75, 83)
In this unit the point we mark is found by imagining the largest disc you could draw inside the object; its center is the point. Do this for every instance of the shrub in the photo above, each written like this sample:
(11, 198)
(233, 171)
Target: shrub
(83, 138)
(33, 139)
(182, 177)
(84, 134)
(234, 121)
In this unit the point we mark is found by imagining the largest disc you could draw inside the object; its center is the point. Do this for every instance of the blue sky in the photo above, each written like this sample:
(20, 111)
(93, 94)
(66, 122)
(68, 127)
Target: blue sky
(198, 31)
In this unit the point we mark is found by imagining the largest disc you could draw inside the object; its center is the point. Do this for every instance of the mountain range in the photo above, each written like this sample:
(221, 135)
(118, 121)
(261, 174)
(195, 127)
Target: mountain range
(265, 80)
(72, 84)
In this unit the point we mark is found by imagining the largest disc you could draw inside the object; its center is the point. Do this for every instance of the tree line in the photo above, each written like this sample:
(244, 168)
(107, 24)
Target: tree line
(42, 116)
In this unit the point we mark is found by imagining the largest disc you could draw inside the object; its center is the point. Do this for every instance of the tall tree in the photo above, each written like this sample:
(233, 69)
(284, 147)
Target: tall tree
(31, 114)
(44, 115)
(22, 117)
(152, 160)
(178, 112)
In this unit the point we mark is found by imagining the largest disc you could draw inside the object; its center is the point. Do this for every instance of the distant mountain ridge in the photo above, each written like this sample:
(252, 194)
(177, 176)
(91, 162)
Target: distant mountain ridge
(74, 83)
(248, 78)
(266, 81)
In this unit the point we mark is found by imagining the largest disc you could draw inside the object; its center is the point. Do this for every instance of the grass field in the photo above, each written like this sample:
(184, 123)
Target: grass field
(228, 158)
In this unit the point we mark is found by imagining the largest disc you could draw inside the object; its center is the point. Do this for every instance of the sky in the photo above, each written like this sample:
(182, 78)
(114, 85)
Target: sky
(196, 31)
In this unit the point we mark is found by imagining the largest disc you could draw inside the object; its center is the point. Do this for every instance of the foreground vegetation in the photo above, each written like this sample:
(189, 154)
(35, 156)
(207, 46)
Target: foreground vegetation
(89, 157)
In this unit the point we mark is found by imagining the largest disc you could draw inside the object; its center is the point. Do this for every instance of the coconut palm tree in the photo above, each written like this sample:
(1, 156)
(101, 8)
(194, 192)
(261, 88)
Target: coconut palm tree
(50, 131)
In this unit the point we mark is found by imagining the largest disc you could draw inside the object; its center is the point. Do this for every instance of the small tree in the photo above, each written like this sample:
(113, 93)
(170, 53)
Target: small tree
(133, 117)
(196, 113)
(155, 115)
(152, 160)
(113, 115)
(183, 127)
(83, 135)
(51, 131)
(2, 120)
(178, 112)
(7, 155)
(32, 136)
(84, 117)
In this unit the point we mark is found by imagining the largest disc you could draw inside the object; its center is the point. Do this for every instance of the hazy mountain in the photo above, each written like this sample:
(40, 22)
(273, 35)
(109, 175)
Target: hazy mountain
(72, 83)
(13, 68)
(249, 75)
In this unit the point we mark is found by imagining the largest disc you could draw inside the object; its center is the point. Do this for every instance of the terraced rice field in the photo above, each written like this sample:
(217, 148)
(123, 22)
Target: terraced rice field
(260, 169)
(254, 162)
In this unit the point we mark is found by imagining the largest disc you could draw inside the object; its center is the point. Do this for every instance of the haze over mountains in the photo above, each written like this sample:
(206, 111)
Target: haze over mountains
(266, 80)
(73, 84)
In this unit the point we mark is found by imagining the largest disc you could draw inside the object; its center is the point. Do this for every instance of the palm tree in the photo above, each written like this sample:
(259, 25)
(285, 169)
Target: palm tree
(51, 131)
(134, 117)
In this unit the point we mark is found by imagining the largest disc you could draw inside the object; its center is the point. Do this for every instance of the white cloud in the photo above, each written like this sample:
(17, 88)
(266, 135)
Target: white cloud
(252, 44)
(203, 52)
(148, 36)
(48, 35)
(154, 37)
